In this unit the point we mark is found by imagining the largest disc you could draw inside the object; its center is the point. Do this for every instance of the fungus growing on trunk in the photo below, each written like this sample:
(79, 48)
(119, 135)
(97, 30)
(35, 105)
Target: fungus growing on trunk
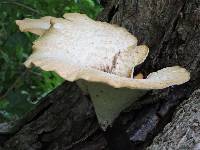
(100, 57)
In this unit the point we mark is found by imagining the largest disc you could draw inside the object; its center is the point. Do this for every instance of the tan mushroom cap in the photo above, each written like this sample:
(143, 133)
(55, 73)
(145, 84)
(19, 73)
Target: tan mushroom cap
(36, 26)
(79, 48)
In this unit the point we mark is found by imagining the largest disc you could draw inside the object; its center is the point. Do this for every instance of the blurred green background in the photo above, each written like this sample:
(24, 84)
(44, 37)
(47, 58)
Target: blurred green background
(21, 88)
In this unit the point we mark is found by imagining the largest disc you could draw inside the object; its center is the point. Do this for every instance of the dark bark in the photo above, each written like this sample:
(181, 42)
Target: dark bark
(65, 118)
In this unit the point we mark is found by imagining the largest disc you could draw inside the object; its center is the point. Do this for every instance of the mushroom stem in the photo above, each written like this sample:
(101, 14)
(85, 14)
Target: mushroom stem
(108, 102)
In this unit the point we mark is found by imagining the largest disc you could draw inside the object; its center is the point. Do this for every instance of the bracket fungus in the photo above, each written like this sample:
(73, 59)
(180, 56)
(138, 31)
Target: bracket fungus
(100, 57)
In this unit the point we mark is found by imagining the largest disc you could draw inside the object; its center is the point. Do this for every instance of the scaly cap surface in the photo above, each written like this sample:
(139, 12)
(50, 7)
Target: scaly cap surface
(77, 47)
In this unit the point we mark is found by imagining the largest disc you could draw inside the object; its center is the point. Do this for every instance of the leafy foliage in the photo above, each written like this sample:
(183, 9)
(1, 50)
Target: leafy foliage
(21, 88)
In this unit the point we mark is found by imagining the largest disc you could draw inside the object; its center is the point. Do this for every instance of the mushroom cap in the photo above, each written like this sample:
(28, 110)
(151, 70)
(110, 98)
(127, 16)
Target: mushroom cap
(36, 26)
(77, 47)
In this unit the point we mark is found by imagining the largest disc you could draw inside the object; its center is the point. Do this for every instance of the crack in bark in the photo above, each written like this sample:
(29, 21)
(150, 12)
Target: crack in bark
(172, 26)
(84, 138)
(113, 11)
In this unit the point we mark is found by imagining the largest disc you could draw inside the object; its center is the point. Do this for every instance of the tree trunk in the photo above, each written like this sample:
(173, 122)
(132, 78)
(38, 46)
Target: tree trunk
(65, 119)
(184, 130)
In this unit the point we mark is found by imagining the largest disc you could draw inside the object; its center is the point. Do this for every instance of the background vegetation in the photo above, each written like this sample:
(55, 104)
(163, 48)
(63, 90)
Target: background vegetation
(21, 88)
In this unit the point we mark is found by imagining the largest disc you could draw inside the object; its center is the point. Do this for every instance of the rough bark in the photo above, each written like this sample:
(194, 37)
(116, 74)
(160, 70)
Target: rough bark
(184, 130)
(65, 118)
